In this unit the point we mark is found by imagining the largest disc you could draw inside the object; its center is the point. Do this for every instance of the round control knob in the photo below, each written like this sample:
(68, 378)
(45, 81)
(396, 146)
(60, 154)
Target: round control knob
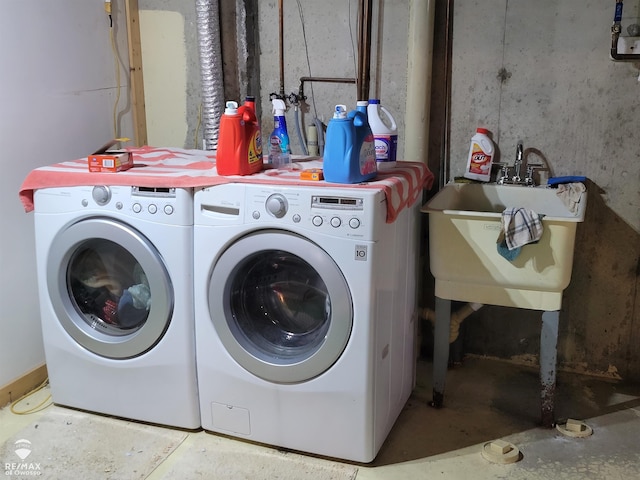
(336, 222)
(101, 194)
(137, 208)
(354, 223)
(317, 220)
(276, 205)
(152, 208)
(168, 209)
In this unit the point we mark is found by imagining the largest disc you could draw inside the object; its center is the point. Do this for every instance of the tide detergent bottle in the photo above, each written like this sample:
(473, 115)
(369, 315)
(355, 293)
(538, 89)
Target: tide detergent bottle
(239, 141)
(349, 153)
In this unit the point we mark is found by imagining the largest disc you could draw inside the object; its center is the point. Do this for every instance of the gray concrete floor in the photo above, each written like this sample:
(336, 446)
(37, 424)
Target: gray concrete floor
(484, 400)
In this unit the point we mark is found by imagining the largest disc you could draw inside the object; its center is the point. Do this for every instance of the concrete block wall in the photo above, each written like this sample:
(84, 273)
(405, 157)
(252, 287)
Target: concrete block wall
(540, 72)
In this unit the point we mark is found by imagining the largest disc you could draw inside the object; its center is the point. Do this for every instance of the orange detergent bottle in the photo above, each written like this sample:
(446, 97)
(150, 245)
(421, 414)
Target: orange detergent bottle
(239, 141)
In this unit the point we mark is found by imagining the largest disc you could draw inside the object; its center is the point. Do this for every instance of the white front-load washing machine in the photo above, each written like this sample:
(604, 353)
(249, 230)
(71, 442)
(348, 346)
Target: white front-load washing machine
(115, 278)
(305, 315)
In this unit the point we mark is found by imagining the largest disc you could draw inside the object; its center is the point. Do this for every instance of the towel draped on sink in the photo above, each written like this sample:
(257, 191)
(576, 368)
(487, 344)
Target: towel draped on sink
(520, 226)
(571, 194)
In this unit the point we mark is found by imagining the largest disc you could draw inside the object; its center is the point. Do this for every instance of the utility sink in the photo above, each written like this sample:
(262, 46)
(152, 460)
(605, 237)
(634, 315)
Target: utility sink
(464, 224)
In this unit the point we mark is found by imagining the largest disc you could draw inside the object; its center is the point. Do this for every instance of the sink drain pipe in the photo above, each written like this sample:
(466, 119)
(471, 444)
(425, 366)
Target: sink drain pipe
(457, 318)
(208, 24)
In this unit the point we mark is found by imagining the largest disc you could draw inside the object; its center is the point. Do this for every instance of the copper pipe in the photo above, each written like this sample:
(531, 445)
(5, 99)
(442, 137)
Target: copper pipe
(364, 49)
(281, 44)
(324, 80)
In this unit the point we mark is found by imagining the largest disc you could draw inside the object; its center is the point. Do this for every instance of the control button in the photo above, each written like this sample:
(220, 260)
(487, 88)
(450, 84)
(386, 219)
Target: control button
(119, 205)
(101, 194)
(317, 220)
(296, 218)
(336, 222)
(85, 202)
(168, 209)
(152, 208)
(137, 208)
(255, 214)
(354, 223)
(276, 205)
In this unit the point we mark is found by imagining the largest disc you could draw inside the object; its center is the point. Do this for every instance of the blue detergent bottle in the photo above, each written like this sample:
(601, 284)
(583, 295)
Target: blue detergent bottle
(349, 152)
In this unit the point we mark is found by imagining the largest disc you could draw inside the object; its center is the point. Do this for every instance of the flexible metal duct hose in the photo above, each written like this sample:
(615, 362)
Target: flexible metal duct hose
(208, 24)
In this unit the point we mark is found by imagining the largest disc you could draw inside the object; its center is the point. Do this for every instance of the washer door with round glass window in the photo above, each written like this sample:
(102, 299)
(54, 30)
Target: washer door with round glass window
(109, 287)
(280, 306)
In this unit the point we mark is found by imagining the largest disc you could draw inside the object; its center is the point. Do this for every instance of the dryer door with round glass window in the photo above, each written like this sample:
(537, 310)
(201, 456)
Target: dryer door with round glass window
(280, 306)
(109, 287)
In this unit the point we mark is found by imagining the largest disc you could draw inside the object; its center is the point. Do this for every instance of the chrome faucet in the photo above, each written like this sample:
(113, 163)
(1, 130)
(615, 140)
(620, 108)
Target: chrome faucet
(518, 163)
(505, 179)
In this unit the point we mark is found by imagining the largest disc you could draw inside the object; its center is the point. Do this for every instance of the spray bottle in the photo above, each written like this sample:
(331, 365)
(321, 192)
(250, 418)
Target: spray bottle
(279, 141)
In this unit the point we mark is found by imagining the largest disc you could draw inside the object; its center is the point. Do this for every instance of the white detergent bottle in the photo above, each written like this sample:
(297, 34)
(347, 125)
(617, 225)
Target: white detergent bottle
(480, 156)
(385, 134)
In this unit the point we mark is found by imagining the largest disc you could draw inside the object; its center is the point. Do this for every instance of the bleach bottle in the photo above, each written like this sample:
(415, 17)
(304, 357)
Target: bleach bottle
(385, 133)
(349, 152)
(279, 149)
(239, 144)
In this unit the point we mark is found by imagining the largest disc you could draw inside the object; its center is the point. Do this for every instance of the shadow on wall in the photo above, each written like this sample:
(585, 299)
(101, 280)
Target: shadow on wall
(601, 328)
(600, 316)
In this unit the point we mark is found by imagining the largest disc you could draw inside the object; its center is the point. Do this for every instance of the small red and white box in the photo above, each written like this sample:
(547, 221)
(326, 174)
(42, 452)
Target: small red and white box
(105, 160)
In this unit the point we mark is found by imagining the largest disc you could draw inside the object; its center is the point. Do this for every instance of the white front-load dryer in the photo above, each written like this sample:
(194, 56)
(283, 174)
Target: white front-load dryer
(305, 307)
(115, 278)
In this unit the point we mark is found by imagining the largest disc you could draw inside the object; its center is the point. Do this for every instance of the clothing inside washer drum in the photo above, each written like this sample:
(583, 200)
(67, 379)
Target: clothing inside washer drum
(109, 286)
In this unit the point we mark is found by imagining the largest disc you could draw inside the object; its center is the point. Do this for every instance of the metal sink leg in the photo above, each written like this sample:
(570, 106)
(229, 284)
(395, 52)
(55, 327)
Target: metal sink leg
(440, 349)
(548, 358)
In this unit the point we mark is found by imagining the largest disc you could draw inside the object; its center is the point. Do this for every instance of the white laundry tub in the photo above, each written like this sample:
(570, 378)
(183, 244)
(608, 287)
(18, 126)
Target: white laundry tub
(464, 224)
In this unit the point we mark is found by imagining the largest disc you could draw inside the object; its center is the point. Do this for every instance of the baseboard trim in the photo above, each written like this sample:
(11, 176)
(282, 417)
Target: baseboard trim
(22, 385)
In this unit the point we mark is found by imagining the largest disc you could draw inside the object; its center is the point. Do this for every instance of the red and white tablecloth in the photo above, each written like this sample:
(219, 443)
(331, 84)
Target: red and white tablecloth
(180, 168)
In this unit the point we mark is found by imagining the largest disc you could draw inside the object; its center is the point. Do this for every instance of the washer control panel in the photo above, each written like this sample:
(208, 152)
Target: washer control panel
(354, 213)
(171, 206)
(277, 205)
(153, 201)
(337, 211)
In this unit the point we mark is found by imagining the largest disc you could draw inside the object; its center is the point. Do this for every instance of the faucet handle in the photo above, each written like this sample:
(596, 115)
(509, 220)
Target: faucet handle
(531, 168)
(504, 172)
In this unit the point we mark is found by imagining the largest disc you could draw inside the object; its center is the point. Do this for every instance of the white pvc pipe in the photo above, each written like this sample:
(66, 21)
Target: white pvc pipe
(457, 318)
(418, 102)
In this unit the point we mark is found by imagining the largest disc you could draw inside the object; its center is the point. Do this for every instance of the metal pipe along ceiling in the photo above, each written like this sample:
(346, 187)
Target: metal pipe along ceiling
(208, 24)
